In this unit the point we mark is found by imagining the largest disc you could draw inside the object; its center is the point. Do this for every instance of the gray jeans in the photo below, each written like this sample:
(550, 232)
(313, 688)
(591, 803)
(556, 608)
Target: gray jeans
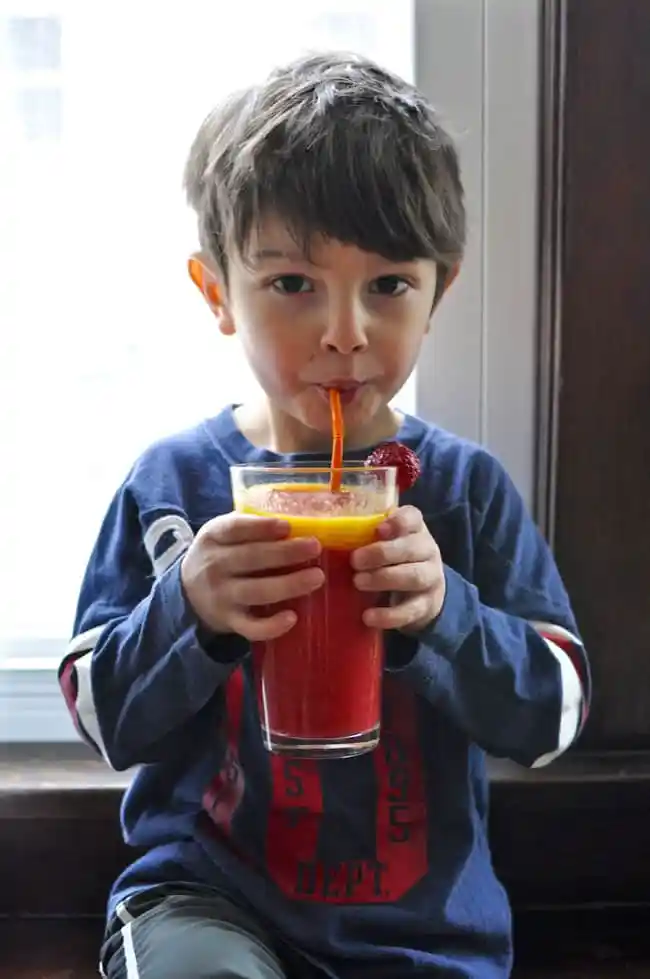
(186, 933)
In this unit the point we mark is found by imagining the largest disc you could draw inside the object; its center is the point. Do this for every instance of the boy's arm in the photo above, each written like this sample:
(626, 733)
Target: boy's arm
(504, 658)
(138, 669)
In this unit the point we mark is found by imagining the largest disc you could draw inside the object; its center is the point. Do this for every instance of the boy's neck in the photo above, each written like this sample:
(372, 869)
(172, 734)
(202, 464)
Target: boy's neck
(268, 428)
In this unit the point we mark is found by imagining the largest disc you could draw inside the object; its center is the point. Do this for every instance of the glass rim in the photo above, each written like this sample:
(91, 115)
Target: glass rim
(309, 467)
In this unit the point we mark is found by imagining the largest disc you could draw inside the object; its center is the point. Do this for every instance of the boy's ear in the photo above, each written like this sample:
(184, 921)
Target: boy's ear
(450, 278)
(452, 275)
(209, 286)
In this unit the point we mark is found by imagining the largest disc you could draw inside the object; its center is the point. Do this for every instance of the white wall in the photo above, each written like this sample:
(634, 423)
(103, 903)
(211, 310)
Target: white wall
(478, 62)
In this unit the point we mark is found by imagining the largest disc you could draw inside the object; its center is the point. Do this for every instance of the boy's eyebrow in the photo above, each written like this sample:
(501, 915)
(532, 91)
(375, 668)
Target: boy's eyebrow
(265, 253)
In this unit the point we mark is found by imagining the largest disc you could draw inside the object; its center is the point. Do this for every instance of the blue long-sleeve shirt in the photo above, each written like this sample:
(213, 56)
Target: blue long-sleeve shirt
(367, 866)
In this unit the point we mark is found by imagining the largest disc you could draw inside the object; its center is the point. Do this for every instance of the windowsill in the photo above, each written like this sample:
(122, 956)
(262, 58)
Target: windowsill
(71, 766)
(575, 833)
(47, 767)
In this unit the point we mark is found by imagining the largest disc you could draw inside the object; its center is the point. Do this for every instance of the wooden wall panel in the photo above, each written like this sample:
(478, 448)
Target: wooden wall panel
(595, 344)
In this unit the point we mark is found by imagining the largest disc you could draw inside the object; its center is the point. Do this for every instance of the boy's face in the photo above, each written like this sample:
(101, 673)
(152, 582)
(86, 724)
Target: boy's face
(341, 318)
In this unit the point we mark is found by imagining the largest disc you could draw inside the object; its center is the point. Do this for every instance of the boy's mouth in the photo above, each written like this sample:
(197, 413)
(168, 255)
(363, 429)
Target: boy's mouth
(348, 390)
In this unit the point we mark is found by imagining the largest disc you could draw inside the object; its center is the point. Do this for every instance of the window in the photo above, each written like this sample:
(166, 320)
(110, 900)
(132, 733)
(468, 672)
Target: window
(104, 345)
(98, 105)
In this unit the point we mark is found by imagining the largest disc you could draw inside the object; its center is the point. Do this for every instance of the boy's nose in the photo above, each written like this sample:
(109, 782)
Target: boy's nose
(346, 330)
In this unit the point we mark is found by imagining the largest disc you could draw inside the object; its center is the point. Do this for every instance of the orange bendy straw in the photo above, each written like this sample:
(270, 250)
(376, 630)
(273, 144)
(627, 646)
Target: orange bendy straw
(338, 432)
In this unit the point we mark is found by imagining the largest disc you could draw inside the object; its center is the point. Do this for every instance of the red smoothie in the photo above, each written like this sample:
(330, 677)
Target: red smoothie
(320, 683)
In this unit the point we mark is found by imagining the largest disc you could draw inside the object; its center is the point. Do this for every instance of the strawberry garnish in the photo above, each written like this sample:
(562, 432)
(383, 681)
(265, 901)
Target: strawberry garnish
(404, 459)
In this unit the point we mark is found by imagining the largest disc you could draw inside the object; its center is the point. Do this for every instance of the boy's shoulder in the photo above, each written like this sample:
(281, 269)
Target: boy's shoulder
(209, 440)
(458, 471)
(176, 448)
(187, 470)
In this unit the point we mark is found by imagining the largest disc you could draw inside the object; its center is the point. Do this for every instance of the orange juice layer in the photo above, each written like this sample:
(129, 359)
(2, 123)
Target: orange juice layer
(334, 530)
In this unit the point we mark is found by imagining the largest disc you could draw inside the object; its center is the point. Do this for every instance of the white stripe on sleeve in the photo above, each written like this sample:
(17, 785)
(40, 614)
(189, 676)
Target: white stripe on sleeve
(180, 537)
(572, 690)
(84, 642)
(85, 703)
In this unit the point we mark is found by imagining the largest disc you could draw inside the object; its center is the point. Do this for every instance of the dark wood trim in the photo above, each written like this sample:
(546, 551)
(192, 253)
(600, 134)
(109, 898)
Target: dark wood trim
(549, 295)
(594, 344)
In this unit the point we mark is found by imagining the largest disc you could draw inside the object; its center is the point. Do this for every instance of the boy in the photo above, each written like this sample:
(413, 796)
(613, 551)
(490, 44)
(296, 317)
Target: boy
(331, 221)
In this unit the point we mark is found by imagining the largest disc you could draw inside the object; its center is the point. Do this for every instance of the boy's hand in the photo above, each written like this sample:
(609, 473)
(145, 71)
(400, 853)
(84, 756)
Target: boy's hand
(406, 562)
(223, 574)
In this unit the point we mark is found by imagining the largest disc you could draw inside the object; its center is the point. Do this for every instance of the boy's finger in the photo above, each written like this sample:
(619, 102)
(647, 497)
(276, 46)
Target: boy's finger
(276, 588)
(257, 629)
(247, 558)
(405, 520)
(400, 616)
(401, 550)
(238, 528)
(399, 577)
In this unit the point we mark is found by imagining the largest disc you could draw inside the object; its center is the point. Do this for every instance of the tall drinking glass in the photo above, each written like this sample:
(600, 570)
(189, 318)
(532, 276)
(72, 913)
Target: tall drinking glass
(319, 686)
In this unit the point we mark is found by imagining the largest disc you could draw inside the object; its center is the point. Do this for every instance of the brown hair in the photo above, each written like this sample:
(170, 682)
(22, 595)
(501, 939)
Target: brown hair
(332, 144)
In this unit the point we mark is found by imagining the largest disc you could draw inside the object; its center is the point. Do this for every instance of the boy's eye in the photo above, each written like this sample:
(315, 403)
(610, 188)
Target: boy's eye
(292, 285)
(389, 285)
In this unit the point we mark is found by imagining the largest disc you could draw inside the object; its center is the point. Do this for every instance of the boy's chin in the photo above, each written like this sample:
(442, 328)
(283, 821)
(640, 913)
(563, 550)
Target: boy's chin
(319, 417)
(359, 422)
(320, 429)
